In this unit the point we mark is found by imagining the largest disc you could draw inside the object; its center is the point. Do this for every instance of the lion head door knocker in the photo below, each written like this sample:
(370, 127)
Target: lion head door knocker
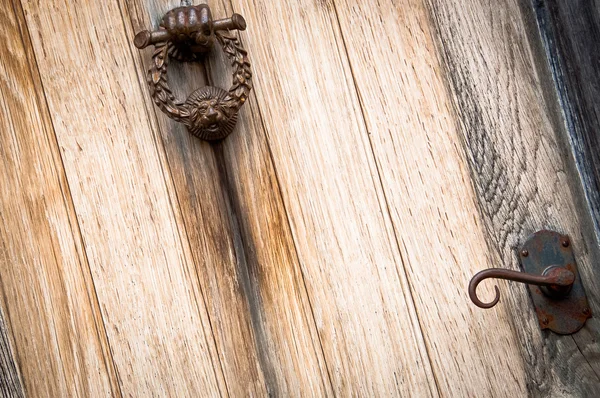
(187, 34)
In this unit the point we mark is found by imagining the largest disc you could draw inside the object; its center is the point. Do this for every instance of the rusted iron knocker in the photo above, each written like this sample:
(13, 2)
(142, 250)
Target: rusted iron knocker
(187, 34)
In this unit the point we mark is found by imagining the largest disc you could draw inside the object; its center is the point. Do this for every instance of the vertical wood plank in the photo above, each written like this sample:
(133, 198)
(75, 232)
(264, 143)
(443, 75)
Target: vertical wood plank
(523, 175)
(151, 303)
(47, 292)
(206, 217)
(10, 379)
(240, 238)
(413, 131)
(570, 31)
(332, 194)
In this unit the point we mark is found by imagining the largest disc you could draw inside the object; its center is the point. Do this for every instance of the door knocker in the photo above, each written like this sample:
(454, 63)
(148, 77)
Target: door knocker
(187, 34)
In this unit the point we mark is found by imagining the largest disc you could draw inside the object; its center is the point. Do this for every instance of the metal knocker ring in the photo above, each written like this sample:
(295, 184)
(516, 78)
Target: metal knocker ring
(187, 34)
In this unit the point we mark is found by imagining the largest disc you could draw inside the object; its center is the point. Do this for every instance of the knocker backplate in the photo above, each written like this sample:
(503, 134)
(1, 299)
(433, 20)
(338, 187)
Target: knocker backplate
(564, 315)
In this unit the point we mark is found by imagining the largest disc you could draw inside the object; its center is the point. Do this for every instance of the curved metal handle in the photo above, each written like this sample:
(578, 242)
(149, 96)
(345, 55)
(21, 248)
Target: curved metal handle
(558, 281)
(555, 286)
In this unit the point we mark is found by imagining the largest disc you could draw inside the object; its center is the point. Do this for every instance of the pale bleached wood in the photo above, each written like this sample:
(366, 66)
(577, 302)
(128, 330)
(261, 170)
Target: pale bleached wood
(425, 176)
(332, 193)
(154, 314)
(523, 175)
(48, 298)
(240, 238)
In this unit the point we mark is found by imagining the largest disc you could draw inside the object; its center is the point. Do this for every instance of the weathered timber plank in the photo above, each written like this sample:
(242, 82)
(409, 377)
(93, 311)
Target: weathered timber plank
(523, 175)
(410, 123)
(332, 194)
(151, 303)
(240, 238)
(570, 31)
(10, 380)
(47, 293)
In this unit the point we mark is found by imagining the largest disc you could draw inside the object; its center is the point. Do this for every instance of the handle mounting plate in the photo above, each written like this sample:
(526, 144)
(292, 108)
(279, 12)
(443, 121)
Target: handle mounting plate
(565, 314)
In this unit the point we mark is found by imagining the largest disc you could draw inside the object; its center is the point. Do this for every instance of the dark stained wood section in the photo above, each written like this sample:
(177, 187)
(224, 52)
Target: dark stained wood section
(570, 33)
(10, 381)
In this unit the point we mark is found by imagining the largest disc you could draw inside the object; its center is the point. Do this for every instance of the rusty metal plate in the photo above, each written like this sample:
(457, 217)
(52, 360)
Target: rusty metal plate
(563, 315)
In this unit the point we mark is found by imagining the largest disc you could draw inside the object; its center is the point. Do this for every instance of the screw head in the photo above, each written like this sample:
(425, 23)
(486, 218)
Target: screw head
(565, 242)
(524, 253)
(586, 311)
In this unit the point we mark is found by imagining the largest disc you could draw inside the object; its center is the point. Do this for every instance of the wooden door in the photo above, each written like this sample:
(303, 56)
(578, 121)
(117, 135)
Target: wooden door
(388, 151)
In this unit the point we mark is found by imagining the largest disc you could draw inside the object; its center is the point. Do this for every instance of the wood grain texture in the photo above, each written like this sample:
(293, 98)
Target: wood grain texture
(151, 303)
(332, 193)
(409, 120)
(47, 293)
(10, 379)
(389, 151)
(523, 177)
(570, 32)
(240, 238)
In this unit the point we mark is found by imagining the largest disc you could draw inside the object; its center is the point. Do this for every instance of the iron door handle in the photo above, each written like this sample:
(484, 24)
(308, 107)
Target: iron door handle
(557, 280)
(554, 283)
(187, 34)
